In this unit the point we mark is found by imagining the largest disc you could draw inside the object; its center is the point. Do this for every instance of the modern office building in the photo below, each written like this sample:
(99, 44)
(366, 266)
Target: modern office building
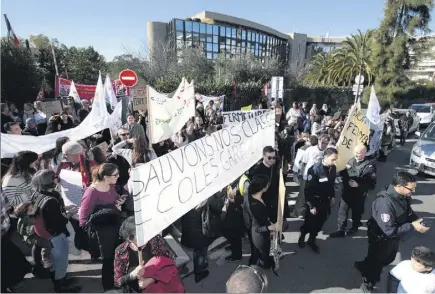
(231, 36)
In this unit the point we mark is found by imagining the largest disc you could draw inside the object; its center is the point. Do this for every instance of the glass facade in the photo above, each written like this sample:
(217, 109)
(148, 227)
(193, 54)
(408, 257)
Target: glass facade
(225, 39)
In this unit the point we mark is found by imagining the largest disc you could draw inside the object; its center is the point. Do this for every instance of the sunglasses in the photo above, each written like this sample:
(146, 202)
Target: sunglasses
(410, 190)
(125, 134)
(271, 157)
(259, 275)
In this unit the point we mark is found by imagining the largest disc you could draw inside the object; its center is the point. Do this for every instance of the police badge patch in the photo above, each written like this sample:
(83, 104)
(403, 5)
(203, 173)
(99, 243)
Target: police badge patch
(385, 217)
(310, 177)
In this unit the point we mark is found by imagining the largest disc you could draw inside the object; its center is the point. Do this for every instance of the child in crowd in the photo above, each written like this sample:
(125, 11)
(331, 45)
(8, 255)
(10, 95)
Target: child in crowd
(416, 275)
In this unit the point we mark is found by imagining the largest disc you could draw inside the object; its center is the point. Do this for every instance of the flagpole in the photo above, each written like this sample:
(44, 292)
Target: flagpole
(54, 58)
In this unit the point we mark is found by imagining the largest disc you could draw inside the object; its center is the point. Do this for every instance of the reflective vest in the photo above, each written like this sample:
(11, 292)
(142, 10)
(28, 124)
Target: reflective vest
(242, 181)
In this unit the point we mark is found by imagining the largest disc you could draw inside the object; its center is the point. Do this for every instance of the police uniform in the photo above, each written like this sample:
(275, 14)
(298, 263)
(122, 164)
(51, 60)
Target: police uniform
(319, 190)
(363, 173)
(391, 219)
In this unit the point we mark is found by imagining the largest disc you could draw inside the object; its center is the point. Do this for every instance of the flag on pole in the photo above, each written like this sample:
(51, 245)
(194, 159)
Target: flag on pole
(54, 59)
(109, 93)
(373, 108)
(11, 33)
(73, 92)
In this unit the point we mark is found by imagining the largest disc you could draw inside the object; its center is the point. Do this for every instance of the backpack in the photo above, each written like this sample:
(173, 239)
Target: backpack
(25, 225)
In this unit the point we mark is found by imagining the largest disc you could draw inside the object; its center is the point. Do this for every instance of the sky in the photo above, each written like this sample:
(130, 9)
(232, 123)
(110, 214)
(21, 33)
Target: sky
(118, 27)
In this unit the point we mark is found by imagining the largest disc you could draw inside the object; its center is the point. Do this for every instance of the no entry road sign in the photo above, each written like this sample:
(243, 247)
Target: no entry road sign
(128, 78)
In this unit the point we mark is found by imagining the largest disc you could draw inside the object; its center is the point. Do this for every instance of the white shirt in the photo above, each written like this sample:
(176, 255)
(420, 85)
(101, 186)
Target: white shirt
(310, 157)
(412, 281)
(293, 115)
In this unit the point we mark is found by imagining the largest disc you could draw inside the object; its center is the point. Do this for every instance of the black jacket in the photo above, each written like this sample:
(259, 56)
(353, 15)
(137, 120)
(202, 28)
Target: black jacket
(391, 214)
(364, 173)
(320, 186)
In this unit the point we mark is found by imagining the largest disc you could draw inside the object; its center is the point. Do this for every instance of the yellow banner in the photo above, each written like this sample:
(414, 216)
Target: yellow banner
(246, 108)
(354, 132)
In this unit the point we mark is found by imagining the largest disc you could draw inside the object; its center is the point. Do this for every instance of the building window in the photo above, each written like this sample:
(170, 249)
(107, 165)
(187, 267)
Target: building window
(179, 24)
(244, 35)
(209, 29)
(188, 26)
(209, 55)
(222, 31)
(215, 48)
(196, 27)
(233, 33)
(209, 47)
(215, 39)
(216, 30)
(203, 28)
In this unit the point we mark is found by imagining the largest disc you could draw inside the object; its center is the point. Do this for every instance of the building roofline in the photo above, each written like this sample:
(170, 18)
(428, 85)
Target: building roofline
(210, 16)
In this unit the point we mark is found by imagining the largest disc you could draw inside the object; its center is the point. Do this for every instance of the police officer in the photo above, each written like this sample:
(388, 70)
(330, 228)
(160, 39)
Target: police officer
(405, 122)
(319, 196)
(233, 227)
(392, 218)
(358, 177)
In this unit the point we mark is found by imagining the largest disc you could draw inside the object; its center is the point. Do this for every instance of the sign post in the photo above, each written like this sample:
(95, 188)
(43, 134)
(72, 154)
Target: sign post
(128, 78)
(277, 87)
(358, 86)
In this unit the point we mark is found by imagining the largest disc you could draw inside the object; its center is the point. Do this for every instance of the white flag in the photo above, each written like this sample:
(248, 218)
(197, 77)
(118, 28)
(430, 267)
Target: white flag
(73, 93)
(373, 108)
(109, 93)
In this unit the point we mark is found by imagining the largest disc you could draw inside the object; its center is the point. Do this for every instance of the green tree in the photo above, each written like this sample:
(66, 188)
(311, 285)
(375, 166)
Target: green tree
(394, 41)
(21, 78)
(319, 69)
(84, 64)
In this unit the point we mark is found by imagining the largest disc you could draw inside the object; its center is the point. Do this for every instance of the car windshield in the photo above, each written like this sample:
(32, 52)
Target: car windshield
(429, 133)
(421, 108)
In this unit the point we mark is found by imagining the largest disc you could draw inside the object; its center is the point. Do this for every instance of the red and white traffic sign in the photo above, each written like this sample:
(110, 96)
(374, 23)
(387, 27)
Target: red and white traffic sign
(128, 77)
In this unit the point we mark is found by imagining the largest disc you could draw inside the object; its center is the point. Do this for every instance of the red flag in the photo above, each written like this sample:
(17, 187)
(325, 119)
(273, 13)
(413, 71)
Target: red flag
(11, 32)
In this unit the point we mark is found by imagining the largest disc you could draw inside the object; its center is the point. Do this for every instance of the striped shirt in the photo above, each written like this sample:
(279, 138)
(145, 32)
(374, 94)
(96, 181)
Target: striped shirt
(16, 189)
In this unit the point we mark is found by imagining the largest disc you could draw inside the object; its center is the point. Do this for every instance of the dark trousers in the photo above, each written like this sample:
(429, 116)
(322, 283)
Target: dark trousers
(200, 264)
(403, 135)
(236, 246)
(14, 264)
(357, 207)
(254, 254)
(107, 274)
(313, 223)
(380, 253)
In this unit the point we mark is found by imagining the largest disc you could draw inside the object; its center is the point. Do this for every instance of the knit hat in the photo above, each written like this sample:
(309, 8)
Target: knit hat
(29, 120)
(72, 148)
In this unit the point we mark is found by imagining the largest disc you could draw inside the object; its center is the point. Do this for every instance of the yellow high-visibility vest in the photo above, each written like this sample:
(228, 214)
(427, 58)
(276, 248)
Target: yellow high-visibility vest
(242, 182)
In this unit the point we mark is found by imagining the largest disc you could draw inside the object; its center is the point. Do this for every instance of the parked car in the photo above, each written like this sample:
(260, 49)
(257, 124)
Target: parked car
(397, 113)
(423, 153)
(426, 113)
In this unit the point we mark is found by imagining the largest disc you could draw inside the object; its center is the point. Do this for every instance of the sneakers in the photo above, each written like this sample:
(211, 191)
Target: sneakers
(366, 287)
(337, 234)
(232, 259)
(313, 245)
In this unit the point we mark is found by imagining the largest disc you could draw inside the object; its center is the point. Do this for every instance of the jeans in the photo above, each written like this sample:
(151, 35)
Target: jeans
(200, 264)
(59, 255)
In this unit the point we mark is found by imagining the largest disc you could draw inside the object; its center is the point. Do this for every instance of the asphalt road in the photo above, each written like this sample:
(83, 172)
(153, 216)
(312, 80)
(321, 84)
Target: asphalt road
(304, 271)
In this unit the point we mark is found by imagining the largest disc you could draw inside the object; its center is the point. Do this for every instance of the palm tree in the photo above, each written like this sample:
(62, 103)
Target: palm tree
(352, 59)
(319, 69)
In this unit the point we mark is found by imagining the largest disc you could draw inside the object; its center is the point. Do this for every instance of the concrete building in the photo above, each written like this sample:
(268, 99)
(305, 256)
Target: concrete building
(424, 68)
(218, 34)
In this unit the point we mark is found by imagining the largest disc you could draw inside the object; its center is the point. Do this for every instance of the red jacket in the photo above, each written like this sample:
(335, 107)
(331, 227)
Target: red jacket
(165, 272)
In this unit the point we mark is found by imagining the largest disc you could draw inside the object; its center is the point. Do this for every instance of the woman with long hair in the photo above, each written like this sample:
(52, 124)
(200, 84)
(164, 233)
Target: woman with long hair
(99, 212)
(140, 153)
(58, 155)
(16, 183)
(261, 224)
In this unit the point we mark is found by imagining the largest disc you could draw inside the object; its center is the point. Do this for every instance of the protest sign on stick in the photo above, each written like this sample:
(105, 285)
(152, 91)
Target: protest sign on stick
(168, 187)
(51, 107)
(354, 132)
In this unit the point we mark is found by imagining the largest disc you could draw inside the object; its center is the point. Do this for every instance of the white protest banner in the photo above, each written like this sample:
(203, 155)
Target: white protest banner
(168, 187)
(168, 115)
(115, 121)
(218, 101)
(71, 187)
(51, 107)
(354, 132)
(73, 93)
(96, 121)
(235, 117)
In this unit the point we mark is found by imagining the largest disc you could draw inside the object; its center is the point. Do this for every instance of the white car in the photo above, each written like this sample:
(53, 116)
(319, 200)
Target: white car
(397, 113)
(426, 113)
(423, 153)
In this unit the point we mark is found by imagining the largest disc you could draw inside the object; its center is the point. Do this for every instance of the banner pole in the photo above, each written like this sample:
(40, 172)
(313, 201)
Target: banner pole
(149, 118)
